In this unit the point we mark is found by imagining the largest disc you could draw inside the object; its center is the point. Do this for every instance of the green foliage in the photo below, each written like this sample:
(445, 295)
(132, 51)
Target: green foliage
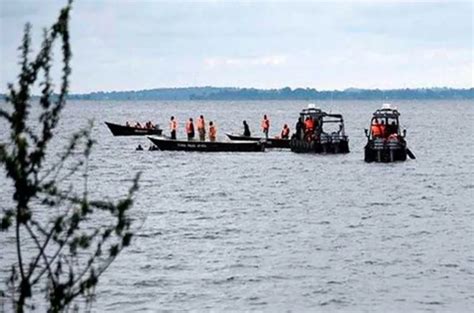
(69, 240)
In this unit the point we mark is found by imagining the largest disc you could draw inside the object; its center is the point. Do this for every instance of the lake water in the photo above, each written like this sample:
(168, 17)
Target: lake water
(279, 231)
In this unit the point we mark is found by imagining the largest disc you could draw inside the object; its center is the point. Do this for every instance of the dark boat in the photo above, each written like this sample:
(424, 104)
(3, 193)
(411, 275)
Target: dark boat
(328, 135)
(388, 144)
(121, 130)
(164, 143)
(269, 143)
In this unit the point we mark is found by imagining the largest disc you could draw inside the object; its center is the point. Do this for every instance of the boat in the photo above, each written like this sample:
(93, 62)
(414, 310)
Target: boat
(328, 135)
(122, 130)
(388, 144)
(269, 143)
(164, 143)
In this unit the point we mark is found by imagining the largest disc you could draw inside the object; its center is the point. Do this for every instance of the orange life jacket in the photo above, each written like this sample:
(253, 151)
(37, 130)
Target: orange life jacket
(285, 132)
(378, 130)
(265, 124)
(212, 131)
(174, 125)
(200, 123)
(393, 136)
(309, 124)
(189, 127)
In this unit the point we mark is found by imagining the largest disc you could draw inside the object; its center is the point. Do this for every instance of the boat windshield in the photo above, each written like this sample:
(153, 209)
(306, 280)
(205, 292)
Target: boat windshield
(389, 118)
(333, 124)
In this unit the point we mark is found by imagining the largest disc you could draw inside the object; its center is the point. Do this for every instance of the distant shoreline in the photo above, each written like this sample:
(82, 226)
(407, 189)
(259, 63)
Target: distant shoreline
(254, 94)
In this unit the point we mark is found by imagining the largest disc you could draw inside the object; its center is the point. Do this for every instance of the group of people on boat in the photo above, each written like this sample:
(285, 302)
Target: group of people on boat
(305, 129)
(383, 131)
(190, 129)
(147, 125)
(199, 126)
(265, 125)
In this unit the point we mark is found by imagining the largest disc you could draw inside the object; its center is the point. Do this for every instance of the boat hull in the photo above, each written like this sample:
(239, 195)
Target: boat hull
(166, 144)
(383, 151)
(323, 147)
(120, 130)
(269, 143)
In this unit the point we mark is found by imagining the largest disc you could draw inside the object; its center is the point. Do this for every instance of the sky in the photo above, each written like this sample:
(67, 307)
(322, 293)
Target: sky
(145, 44)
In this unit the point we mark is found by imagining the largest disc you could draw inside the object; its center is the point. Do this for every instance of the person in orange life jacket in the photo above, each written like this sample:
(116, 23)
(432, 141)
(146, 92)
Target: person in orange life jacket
(190, 129)
(378, 129)
(201, 128)
(265, 125)
(212, 131)
(173, 127)
(393, 136)
(285, 132)
(309, 125)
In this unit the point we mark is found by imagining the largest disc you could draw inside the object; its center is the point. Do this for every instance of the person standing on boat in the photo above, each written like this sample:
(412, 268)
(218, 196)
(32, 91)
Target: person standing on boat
(299, 128)
(383, 129)
(212, 131)
(190, 129)
(246, 129)
(201, 127)
(285, 132)
(173, 127)
(309, 126)
(265, 125)
(391, 129)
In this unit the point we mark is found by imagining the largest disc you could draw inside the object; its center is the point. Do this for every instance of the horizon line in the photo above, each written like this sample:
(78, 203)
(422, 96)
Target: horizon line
(279, 88)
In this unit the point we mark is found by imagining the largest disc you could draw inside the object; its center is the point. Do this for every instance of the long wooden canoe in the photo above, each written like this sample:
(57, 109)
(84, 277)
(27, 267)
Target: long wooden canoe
(270, 142)
(121, 130)
(164, 143)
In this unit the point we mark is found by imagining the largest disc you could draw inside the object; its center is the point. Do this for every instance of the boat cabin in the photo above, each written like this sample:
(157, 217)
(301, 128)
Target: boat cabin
(385, 142)
(323, 133)
(326, 123)
(389, 118)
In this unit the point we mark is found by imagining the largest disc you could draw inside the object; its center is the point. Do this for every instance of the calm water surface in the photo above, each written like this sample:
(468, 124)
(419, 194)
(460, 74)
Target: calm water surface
(278, 231)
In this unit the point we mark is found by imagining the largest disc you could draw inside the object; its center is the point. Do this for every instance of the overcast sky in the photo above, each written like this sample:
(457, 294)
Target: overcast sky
(127, 45)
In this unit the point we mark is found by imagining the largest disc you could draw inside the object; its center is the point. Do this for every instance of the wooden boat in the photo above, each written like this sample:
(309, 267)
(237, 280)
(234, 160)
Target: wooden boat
(321, 139)
(121, 130)
(269, 143)
(390, 146)
(164, 143)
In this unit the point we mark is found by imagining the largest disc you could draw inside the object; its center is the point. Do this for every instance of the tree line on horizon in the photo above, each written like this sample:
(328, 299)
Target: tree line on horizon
(287, 93)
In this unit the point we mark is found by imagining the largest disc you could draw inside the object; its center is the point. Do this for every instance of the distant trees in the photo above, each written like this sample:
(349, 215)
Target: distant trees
(226, 93)
(63, 241)
(349, 94)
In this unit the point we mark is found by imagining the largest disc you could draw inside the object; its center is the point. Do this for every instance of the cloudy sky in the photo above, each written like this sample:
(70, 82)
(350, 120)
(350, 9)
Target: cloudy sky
(142, 44)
